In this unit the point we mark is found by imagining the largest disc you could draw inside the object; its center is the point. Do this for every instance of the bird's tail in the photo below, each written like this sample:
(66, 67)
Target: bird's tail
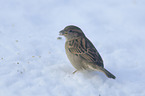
(107, 73)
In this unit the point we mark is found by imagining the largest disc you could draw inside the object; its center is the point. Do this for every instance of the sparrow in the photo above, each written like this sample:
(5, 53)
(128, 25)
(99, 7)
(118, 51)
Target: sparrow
(81, 52)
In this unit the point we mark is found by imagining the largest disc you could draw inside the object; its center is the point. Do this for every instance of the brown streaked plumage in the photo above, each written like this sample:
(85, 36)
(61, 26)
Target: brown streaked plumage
(81, 52)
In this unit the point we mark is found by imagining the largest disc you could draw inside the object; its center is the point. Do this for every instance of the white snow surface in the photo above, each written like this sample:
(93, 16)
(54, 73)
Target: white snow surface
(33, 62)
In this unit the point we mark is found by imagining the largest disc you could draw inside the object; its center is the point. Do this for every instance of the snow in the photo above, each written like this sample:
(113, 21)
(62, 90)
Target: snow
(33, 62)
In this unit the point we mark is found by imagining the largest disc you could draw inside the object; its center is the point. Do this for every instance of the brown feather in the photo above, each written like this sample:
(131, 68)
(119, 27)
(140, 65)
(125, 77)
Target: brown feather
(84, 48)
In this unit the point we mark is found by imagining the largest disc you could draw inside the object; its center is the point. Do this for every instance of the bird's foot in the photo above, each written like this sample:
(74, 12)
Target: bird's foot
(74, 72)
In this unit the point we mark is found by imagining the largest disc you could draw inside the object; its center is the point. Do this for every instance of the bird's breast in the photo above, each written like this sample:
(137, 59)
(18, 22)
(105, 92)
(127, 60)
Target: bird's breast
(75, 60)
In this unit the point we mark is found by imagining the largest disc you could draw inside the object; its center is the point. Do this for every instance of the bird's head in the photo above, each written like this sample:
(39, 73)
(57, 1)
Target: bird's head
(71, 32)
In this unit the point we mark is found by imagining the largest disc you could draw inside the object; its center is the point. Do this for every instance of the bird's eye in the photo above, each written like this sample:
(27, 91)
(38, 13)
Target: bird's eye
(70, 30)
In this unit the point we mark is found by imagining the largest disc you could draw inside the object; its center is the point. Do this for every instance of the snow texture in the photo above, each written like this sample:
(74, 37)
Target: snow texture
(33, 61)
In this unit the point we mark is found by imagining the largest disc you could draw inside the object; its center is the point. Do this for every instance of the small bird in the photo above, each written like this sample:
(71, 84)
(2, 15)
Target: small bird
(81, 52)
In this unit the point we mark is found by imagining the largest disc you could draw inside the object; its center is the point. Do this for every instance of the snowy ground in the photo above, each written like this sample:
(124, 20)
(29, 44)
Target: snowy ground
(33, 62)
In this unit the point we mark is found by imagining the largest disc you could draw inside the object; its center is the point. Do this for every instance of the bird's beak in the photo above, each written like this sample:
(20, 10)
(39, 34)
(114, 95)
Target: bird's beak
(62, 32)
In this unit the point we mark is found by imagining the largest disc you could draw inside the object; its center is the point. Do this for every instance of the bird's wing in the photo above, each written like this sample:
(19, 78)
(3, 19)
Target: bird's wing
(84, 48)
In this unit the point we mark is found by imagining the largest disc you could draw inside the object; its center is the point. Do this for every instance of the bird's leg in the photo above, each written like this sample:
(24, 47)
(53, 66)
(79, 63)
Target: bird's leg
(74, 71)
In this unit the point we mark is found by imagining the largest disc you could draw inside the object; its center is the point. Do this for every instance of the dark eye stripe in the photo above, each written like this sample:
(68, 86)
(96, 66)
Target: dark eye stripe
(70, 31)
